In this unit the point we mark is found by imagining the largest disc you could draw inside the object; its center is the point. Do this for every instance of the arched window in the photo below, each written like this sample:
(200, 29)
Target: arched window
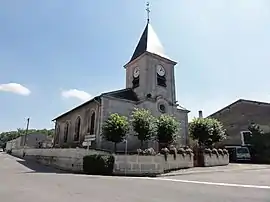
(92, 124)
(77, 129)
(88, 120)
(57, 134)
(66, 132)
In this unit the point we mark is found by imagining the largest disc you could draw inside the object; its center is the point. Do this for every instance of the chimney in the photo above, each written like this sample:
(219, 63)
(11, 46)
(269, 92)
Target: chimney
(200, 114)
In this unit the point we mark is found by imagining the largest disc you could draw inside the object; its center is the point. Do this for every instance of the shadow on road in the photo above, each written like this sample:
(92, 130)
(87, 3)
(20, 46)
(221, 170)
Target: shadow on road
(37, 167)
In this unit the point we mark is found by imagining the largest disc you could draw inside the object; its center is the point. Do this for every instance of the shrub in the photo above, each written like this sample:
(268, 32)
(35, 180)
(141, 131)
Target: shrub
(208, 151)
(173, 151)
(98, 164)
(220, 151)
(189, 151)
(147, 152)
(165, 152)
(225, 152)
(181, 151)
(215, 151)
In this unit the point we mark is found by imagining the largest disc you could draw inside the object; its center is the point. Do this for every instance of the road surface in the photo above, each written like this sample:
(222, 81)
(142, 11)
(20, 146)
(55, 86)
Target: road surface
(29, 182)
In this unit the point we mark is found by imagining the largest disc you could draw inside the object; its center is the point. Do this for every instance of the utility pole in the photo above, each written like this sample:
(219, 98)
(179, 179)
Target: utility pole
(26, 131)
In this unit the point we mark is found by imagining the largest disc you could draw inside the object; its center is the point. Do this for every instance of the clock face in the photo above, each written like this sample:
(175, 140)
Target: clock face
(160, 70)
(136, 72)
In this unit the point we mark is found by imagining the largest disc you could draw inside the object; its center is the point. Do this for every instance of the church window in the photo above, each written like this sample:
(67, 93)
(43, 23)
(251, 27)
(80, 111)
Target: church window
(161, 81)
(162, 108)
(77, 129)
(66, 132)
(57, 134)
(92, 124)
(136, 82)
(88, 120)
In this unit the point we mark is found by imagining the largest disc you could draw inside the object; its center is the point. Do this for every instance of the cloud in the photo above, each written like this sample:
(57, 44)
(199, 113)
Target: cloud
(15, 88)
(74, 93)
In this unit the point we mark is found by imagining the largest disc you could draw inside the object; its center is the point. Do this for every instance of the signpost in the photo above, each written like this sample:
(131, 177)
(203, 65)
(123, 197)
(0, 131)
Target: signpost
(88, 139)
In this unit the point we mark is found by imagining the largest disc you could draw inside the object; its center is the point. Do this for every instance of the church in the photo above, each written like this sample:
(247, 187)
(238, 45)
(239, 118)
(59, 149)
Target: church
(150, 84)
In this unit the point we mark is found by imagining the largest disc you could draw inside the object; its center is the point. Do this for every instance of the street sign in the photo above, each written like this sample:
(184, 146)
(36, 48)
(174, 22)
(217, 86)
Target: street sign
(86, 144)
(88, 138)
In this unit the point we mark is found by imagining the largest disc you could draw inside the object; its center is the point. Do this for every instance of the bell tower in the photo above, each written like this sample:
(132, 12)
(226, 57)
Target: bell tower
(150, 73)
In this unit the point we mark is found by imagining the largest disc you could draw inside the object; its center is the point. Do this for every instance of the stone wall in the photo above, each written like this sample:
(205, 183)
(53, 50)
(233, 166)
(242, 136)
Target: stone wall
(145, 165)
(64, 159)
(215, 160)
(72, 160)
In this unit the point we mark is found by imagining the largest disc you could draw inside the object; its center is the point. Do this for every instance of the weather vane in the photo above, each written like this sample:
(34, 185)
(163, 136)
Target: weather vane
(148, 11)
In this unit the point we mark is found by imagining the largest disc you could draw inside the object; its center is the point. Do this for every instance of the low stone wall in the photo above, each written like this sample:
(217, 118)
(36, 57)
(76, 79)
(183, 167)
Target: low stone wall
(72, 160)
(64, 159)
(150, 165)
(181, 161)
(138, 165)
(215, 160)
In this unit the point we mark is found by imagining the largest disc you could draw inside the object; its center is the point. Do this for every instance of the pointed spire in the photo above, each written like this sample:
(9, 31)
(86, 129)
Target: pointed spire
(149, 42)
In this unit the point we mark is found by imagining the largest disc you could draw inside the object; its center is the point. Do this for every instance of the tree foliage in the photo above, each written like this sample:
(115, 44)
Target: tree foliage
(206, 131)
(166, 129)
(260, 144)
(143, 124)
(10, 135)
(115, 129)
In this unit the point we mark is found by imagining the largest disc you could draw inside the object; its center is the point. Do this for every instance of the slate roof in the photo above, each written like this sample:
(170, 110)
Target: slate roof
(148, 42)
(126, 94)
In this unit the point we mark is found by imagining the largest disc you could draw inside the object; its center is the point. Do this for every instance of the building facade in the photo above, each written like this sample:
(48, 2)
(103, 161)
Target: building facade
(150, 84)
(238, 116)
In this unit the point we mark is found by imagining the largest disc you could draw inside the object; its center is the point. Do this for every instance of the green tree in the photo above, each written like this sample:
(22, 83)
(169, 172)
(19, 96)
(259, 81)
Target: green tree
(260, 144)
(166, 129)
(206, 131)
(115, 129)
(143, 124)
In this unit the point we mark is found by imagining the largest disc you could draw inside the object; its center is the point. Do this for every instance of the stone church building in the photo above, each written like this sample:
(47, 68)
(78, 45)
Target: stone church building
(150, 84)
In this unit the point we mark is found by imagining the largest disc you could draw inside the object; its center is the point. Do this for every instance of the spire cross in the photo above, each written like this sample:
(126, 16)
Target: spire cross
(148, 11)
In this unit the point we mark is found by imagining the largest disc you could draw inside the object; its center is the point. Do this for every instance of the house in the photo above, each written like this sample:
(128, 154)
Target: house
(33, 140)
(237, 117)
(150, 84)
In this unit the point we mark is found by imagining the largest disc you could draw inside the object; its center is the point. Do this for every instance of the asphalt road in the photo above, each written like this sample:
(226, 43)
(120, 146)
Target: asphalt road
(30, 182)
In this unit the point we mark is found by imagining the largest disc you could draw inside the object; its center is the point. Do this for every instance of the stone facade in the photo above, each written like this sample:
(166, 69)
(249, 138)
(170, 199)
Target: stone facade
(72, 126)
(239, 115)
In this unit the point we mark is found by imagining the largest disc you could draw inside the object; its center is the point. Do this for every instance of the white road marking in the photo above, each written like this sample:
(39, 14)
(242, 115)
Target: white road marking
(173, 180)
(214, 183)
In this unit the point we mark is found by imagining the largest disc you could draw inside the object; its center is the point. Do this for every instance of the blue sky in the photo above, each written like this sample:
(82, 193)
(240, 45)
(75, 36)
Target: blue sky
(55, 53)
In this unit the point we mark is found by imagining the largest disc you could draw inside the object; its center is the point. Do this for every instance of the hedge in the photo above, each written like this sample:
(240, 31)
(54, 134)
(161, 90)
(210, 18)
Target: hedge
(98, 164)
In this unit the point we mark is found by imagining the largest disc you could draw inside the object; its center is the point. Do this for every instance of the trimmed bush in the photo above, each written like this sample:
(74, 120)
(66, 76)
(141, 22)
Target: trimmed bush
(98, 164)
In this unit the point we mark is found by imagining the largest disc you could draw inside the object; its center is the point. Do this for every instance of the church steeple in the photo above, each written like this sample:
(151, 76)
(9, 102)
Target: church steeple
(149, 41)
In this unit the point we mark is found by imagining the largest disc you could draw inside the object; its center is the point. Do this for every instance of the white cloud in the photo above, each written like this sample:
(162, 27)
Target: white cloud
(15, 88)
(74, 93)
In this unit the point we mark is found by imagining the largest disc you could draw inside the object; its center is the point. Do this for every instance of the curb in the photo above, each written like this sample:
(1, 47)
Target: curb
(204, 172)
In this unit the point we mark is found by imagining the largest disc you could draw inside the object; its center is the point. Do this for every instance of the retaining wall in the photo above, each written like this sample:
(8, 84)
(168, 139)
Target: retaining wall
(72, 160)
(64, 159)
